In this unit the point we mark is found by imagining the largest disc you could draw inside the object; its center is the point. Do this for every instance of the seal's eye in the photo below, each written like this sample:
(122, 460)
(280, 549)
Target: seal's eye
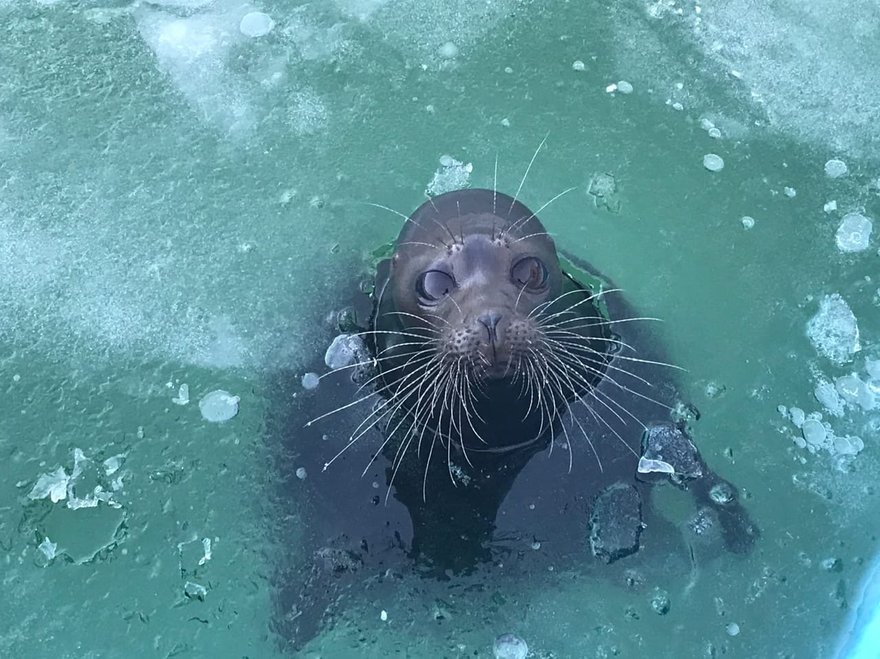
(529, 272)
(433, 285)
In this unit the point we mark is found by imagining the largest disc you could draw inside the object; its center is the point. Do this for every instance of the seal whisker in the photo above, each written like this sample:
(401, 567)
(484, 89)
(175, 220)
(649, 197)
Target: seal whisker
(522, 221)
(494, 192)
(525, 176)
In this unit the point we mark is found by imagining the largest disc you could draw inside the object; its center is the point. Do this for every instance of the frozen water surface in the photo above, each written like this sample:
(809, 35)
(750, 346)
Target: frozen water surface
(185, 190)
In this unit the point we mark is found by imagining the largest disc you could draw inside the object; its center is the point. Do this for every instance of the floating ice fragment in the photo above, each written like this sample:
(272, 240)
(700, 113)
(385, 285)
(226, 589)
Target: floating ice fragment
(714, 133)
(219, 406)
(835, 168)
(827, 395)
(647, 466)
(732, 629)
(577, 65)
(747, 222)
(872, 368)
(256, 24)
(509, 646)
(301, 473)
(713, 162)
(345, 350)
(848, 445)
(791, 193)
(206, 546)
(814, 432)
(610, 89)
(448, 50)
(624, 87)
(854, 233)
(113, 463)
(855, 392)
(52, 485)
(48, 548)
(194, 591)
(797, 416)
(830, 206)
(834, 331)
(310, 381)
(182, 397)
(452, 175)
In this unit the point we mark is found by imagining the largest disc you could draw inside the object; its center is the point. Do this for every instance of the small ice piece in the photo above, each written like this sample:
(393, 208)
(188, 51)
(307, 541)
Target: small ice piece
(448, 50)
(509, 646)
(256, 24)
(48, 548)
(310, 380)
(855, 392)
(747, 221)
(603, 189)
(665, 447)
(452, 175)
(713, 162)
(182, 397)
(219, 406)
(732, 629)
(830, 206)
(854, 233)
(654, 467)
(848, 445)
(301, 473)
(610, 89)
(835, 168)
(714, 133)
(814, 432)
(706, 124)
(791, 193)
(872, 368)
(833, 331)
(624, 87)
(616, 522)
(826, 394)
(206, 547)
(797, 416)
(113, 463)
(577, 65)
(195, 591)
(345, 350)
(383, 615)
(52, 485)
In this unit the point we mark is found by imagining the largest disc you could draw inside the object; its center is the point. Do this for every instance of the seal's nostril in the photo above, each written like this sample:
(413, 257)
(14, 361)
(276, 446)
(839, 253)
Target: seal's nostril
(490, 320)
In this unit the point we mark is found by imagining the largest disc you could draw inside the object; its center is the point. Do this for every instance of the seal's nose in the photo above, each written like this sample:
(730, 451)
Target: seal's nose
(490, 322)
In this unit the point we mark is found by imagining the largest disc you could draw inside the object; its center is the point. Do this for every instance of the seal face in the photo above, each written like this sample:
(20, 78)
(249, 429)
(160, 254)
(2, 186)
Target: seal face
(475, 317)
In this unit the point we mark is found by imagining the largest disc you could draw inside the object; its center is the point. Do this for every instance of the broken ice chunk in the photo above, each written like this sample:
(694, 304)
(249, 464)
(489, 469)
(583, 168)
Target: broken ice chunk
(616, 522)
(713, 162)
(452, 175)
(256, 24)
(667, 449)
(48, 548)
(182, 397)
(835, 168)
(219, 406)
(833, 331)
(52, 485)
(854, 233)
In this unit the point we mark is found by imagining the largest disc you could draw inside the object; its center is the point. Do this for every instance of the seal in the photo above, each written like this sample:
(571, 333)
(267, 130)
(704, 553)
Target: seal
(517, 396)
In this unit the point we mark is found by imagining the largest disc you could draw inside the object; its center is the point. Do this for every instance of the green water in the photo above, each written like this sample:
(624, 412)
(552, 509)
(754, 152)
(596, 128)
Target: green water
(180, 203)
